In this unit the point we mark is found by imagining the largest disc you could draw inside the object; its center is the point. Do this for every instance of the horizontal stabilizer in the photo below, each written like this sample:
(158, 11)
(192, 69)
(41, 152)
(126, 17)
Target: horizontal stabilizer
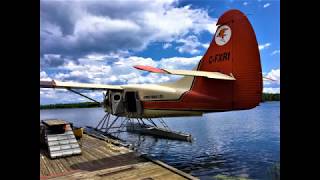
(207, 74)
(266, 78)
(74, 85)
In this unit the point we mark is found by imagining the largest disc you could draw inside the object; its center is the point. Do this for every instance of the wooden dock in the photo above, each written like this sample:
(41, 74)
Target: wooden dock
(103, 160)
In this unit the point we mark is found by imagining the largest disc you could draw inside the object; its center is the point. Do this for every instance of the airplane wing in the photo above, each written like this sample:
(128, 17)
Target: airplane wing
(207, 74)
(73, 85)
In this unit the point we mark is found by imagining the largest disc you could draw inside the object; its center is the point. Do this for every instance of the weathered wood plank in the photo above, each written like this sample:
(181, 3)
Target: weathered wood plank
(43, 166)
(102, 160)
(137, 173)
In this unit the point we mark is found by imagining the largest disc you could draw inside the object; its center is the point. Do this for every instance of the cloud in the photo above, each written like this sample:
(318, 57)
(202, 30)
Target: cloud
(275, 52)
(166, 45)
(271, 90)
(179, 62)
(189, 45)
(266, 5)
(52, 60)
(264, 46)
(85, 71)
(44, 76)
(78, 28)
(245, 3)
(206, 45)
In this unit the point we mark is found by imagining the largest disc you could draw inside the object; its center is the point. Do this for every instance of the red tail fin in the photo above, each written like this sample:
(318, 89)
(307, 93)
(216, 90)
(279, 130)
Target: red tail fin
(233, 50)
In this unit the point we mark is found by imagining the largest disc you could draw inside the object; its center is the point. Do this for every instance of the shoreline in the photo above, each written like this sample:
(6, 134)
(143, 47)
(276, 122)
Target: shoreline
(62, 106)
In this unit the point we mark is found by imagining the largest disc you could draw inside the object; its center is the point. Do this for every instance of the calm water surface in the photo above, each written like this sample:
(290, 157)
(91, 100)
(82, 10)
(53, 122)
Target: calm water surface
(237, 143)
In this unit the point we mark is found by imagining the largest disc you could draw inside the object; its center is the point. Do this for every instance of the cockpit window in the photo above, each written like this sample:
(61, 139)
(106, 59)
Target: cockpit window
(116, 97)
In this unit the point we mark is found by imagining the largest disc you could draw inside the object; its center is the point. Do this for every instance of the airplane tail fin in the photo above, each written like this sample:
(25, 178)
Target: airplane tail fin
(233, 51)
(228, 77)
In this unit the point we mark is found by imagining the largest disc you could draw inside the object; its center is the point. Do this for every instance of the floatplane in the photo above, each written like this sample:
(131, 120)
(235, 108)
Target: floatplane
(227, 78)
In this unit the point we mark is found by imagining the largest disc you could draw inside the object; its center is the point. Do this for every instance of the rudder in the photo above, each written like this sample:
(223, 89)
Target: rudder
(233, 51)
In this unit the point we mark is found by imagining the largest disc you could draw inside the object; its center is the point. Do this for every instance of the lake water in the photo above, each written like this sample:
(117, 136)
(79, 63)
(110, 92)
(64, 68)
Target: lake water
(238, 143)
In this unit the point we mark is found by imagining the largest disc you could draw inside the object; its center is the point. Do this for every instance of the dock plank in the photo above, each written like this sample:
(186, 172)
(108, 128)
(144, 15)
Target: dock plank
(142, 171)
(102, 160)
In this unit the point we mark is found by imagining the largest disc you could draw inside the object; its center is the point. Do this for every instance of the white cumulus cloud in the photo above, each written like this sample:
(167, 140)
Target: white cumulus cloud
(271, 90)
(266, 5)
(275, 52)
(206, 45)
(44, 76)
(166, 45)
(189, 45)
(264, 46)
(77, 28)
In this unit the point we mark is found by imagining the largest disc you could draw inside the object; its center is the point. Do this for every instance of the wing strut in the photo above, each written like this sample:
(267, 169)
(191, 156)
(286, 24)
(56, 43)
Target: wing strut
(76, 92)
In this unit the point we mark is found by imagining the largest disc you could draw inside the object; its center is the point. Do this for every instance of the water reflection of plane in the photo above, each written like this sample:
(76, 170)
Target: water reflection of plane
(233, 81)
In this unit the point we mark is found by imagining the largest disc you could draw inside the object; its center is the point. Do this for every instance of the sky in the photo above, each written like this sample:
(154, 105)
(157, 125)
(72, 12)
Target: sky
(99, 41)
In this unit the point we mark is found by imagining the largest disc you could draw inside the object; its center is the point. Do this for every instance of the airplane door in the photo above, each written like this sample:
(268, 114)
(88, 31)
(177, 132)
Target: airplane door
(133, 103)
(117, 103)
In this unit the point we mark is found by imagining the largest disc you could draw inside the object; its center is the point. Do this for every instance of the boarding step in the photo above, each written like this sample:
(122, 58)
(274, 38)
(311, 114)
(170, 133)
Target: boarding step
(61, 141)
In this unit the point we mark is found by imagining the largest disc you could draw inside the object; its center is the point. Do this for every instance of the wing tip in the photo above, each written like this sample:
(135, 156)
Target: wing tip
(47, 84)
(149, 68)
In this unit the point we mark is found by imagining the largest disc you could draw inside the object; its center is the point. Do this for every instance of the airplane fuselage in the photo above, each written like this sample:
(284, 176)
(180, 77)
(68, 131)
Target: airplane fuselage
(164, 100)
(135, 99)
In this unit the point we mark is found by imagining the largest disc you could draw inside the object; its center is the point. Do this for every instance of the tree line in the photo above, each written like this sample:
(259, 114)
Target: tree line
(70, 105)
(270, 97)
